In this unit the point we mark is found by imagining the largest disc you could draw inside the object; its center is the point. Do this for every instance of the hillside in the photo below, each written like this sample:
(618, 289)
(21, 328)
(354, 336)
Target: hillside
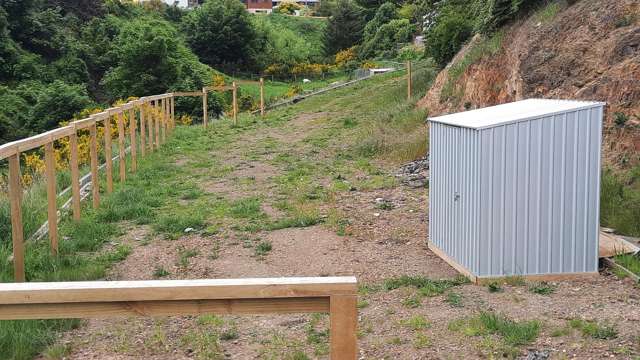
(589, 50)
(309, 190)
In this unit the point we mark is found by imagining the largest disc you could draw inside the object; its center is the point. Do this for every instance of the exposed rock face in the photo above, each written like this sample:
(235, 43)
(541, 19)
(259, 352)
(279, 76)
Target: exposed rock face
(588, 51)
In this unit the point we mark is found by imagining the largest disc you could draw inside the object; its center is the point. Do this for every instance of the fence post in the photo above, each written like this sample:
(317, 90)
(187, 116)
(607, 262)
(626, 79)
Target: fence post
(173, 112)
(107, 153)
(165, 120)
(149, 110)
(408, 80)
(75, 174)
(93, 153)
(121, 151)
(343, 327)
(204, 107)
(156, 116)
(235, 104)
(261, 97)
(143, 143)
(133, 124)
(17, 234)
(52, 209)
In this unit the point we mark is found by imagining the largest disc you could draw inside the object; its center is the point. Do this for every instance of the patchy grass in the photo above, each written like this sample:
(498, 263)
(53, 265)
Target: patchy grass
(160, 272)
(542, 288)
(417, 322)
(630, 262)
(594, 329)
(263, 248)
(494, 287)
(513, 333)
(455, 299)
(548, 12)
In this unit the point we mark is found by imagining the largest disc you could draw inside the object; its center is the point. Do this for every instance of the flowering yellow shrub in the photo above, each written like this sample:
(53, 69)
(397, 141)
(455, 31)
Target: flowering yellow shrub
(345, 56)
(34, 165)
(217, 80)
(369, 65)
(184, 120)
(294, 90)
(309, 69)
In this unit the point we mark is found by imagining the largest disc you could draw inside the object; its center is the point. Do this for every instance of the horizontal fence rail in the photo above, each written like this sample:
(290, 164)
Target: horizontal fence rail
(155, 113)
(104, 299)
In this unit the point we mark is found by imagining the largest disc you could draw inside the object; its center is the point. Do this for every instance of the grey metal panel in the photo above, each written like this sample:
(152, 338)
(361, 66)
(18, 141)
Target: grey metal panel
(529, 194)
(452, 192)
(539, 191)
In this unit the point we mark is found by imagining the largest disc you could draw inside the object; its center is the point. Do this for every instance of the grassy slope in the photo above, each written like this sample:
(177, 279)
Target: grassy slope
(167, 197)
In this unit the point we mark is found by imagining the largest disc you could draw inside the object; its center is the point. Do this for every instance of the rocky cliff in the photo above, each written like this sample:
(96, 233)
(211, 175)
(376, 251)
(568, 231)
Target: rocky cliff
(589, 51)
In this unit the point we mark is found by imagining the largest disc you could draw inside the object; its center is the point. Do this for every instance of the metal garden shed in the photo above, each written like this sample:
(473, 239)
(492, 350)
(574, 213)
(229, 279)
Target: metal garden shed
(514, 189)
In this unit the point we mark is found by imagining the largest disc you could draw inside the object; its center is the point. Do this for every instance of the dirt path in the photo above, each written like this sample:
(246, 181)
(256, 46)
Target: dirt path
(356, 235)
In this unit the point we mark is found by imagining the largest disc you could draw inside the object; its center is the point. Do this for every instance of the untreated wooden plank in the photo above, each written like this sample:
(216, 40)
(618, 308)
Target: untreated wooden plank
(409, 80)
(84, 123)
(121, 149)
(8, 149)
(52, 208)
(143, 128)
(93, 154)
(75, 175)
(343, 329)
(164, 308)
(149, 112)
(189, 93)
(153, 290)
(156, 116)
(107, 154)
(205, 116)
(262, 97)
(235, 103)
(132, 138)
(41, 139)
(163, 122)
(17, 234)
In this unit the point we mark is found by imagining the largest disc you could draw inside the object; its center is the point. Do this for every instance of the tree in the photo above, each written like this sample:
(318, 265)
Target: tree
(384, 14)
(57, 102)
(143, 51)
(386, 40)
(221, 34)
(345, 27)
(447, 36)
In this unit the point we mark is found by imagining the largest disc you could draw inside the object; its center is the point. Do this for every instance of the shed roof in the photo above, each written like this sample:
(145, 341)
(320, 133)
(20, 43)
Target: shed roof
(512, 112)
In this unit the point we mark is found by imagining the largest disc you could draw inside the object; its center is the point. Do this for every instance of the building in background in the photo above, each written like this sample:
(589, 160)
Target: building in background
(259, 6)
(185, 4)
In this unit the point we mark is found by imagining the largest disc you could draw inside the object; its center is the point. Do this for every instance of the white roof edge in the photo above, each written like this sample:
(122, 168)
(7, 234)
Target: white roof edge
(450, 119)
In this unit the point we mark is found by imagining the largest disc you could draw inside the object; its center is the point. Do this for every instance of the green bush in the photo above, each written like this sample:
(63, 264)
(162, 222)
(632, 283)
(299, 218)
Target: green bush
(221, 33)
(452, 30)
(345, 27)
(620, 201)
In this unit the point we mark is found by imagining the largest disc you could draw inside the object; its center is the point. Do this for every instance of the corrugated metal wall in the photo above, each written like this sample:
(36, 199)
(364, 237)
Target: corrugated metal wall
(453, 189)
(520, 198)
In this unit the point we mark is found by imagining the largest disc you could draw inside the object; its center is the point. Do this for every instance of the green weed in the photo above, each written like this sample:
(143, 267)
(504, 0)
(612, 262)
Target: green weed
(160, 272)
(542, 288)
(417, 322)
(594, 329)
(512, 332)
(454, 299)
(263, 248)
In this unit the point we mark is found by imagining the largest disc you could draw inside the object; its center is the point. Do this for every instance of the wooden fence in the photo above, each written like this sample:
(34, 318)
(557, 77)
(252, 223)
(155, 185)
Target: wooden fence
(100, 299)
(156, 118)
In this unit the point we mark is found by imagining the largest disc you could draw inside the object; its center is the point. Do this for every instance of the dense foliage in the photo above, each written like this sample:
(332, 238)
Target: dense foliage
(58, 58)
(345, 27)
